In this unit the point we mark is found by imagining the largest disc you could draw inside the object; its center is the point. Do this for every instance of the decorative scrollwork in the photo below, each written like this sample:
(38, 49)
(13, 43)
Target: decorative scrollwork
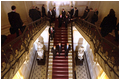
(11, 57)
(28, 35)
(112, 59)
(16, 52)
(101, 49)
(25, 41)
(3, 66)
(106, 53)
(22, 47)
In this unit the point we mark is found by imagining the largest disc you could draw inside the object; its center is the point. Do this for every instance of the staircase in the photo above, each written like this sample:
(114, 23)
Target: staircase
(61, 67)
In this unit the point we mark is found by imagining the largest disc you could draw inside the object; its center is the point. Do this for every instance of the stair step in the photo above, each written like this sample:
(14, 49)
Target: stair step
(61, 33)
(60, 61)
(61, 41)
(61, 57)
(64, 64)
(60, 77)
(60, 70)
(60, 65)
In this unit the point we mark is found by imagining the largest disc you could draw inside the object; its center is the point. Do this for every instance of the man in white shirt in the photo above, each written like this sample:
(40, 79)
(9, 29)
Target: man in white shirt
(67, 48)
(51, 32)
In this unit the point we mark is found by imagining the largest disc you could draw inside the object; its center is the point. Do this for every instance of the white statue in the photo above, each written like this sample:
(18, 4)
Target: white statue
(80, 52)
(40, 50)
(40, 39)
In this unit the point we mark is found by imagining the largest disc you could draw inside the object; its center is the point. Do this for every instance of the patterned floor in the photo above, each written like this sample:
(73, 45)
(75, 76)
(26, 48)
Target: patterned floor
(38, 71)
(82, 71)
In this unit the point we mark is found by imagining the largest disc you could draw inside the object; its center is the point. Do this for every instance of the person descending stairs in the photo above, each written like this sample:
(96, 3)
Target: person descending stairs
(61, 67)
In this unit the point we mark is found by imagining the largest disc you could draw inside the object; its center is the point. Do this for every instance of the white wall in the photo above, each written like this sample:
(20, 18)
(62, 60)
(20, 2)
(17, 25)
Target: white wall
(26, 67)
(93, 67)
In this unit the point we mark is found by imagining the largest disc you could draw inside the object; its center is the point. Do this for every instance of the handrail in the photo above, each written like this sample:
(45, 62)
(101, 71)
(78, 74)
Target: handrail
(72, 52)
(100, 44)
(47, 59)
(87, 65)
(13, 51)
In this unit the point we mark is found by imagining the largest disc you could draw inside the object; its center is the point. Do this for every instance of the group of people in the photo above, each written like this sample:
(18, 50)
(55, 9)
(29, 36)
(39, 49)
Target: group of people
(58, 49)
(90, 15)
(107, 25)
(63, 17)
(35, 13)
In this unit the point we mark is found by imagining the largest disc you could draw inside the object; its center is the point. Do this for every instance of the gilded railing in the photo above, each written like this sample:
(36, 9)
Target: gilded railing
(107, 51)
(14, 53)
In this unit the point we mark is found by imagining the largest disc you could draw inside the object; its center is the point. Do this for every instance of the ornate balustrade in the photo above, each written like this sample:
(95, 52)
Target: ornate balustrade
(106, 53)
(14, 53)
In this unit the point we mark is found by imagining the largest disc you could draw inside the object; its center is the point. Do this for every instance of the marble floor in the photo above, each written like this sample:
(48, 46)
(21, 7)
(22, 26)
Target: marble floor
(38, 71)
(82, 71)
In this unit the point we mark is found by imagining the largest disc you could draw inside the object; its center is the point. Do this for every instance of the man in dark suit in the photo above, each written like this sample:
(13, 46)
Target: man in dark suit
(89, 15)
(51, 32)
(54, 51)
(15, 20)
(63, 13)
(66, 21)
(72, 11)
(50, 16)
(69, 16)
(33, 13)
(39, 16)
(53, 13)
(43, 10)
(60, 18)
(67, 48)
(59, 48)
(76, 12)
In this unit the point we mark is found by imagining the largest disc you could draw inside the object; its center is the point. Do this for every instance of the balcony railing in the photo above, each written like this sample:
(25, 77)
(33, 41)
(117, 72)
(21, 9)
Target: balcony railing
(108, 52)
(14, 53)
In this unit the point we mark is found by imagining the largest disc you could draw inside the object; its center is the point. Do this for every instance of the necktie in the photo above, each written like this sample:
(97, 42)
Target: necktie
(51, 30)
(50, 12)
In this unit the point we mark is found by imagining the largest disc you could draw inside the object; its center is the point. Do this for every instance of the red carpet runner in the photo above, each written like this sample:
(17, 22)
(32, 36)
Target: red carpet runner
(60, 64)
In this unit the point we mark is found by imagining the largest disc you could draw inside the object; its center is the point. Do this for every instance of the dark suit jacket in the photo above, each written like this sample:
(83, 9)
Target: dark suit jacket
(72, 11)
(39, 14)
(50, 30)
(76, 13)
(89, 16)
(69, 16)
(59, 49)
(14, 19)
(54, 51)
(60, 19)
(63, 14)
(34, 15)
(67, 50)
(53, 12)
(49, 15)
(66, 20)
(43, 11)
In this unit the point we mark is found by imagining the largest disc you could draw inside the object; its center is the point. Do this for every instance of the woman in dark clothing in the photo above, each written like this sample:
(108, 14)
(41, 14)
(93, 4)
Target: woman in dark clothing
(108, 23)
